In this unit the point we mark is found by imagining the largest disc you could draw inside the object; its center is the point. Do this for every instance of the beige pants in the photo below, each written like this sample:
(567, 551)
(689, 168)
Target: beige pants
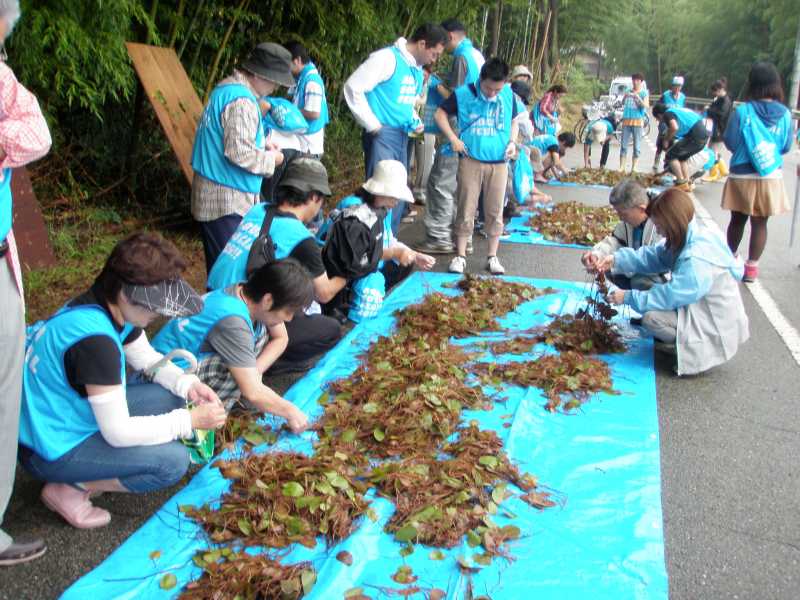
(475, 177)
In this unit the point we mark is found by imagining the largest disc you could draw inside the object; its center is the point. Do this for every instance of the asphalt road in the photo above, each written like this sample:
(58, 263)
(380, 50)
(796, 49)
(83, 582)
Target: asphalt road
(729, 442)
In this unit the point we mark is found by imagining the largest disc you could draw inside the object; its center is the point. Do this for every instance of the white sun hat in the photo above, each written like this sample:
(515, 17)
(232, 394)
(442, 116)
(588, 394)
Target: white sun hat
(599, 132)
(677, 80)
(390, 178)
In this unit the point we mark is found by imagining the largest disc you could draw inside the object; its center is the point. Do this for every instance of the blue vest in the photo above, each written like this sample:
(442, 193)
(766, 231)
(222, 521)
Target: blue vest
(432, 102)
(668, 99)
(522, 177)
(544, 142)
(630, 110)
(6, 208)
(189, 333)
(231, 265)
(472, 57)
(485, 127)
(392, 100)
(54, 417)
(686, 119)
(208, 157)
(310, 73)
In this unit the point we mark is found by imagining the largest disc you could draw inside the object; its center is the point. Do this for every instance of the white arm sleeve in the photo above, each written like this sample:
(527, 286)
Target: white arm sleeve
(377, 68)
(121, 430)
(139, 354)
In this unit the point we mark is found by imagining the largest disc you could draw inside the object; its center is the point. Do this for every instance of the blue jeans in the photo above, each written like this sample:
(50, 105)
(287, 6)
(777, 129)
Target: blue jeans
(139, 468)
(390, 143)
(627, 132)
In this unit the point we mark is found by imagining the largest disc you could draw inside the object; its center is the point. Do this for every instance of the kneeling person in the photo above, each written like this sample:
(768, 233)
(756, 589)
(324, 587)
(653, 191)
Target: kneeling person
(546, 153)
(300, 196)
(635, 229)
(359, 244)
(84, 427)
(240, 332)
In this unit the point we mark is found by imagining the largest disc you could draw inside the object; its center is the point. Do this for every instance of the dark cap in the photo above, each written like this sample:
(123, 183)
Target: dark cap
(271, 61)
(306, 175)
(170, 298)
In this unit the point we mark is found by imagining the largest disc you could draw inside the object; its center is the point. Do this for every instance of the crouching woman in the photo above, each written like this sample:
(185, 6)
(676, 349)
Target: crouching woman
(699, 313)
(86, 428)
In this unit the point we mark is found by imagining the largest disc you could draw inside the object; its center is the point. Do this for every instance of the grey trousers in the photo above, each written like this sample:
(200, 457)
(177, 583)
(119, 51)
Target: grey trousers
(441, 199)
(662, 324)
(423, 160)
(12, 353)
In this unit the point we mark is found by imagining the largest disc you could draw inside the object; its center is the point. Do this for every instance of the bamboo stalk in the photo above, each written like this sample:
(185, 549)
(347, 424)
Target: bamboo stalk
(190, 28)
(215, 65)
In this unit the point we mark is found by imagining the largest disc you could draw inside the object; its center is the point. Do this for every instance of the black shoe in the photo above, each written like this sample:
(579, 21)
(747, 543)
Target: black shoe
(636, 322)
(22, 552)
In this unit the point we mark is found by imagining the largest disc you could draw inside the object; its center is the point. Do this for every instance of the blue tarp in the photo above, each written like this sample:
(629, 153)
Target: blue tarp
(559, 183)
(605, 541)
(521, 233)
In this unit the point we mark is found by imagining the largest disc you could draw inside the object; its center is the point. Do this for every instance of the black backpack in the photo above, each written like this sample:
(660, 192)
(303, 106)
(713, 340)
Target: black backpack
(262, 252)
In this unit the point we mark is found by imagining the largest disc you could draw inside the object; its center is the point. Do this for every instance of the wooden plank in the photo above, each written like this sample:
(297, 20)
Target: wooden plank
(30, 231)
(172, 95)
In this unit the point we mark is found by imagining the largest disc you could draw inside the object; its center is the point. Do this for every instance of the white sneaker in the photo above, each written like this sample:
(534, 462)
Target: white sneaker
(457, 265)
(494, 266)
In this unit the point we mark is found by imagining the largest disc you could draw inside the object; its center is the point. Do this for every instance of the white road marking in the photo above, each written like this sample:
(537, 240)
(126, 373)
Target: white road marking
(787, 332)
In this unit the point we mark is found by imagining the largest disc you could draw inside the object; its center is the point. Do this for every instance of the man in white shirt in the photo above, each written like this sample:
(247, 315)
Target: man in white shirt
(382, 93)
(309, 96)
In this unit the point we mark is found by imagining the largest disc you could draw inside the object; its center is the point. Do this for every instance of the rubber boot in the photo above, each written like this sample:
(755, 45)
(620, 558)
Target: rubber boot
(713, 174)
(623, 164)
(633, 165)
(723, 168)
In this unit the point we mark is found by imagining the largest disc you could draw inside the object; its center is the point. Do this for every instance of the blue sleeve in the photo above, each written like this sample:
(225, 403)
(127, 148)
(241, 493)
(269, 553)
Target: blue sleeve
(787, 144)
(690, 281)
(733, 134)
(646, 260)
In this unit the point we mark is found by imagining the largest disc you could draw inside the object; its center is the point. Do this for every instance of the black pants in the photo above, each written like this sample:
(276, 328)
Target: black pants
(215, 234)
(309, 336)
(393, 274)
(604, 151)
(270, 185)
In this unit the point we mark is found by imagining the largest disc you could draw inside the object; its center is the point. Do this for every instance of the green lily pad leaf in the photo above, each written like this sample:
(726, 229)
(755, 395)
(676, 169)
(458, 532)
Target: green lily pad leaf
(473, 539)
(168, 582)
(244, 526)
(348, 435)
(292, 489)
(436, 555)
(155, 555)
(378, 434)
(489, 461)
(406, 534)
(308, 578)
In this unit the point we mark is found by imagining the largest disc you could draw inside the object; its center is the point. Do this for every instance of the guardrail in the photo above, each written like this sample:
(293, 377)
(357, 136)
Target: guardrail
(702, 102)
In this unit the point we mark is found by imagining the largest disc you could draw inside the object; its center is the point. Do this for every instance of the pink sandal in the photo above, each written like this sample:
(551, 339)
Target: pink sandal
(74, 506)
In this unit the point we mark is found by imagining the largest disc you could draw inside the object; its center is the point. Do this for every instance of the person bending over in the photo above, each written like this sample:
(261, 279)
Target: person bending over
(300, 194)
(239, 334)
(358, 244)
(635, 229)
(698, 314)
(546, 153)
(85, 426)
(684, 137)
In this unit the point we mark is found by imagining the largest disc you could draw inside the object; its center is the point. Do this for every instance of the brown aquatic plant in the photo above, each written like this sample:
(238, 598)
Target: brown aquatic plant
(574, 223)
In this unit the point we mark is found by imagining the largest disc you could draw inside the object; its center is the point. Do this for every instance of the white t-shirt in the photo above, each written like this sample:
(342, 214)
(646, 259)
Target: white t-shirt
(313, 143)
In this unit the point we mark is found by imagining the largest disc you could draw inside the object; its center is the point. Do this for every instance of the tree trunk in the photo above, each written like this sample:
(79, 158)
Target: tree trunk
(212, 75)
(497, 16)
(555, 54)
(199, 47)
(794, 91)
(190, 28)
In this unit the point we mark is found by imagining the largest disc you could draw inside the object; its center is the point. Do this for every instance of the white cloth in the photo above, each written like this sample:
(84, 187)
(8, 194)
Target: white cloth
(313, 143)
(286, 140)
(379, 67)
(139, 354)
(121, 430)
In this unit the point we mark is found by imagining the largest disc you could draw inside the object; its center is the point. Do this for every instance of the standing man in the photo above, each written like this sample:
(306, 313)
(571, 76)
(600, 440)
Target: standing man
(309, 96)
(231, 155)
(486, 113)
(24, 137)
(671, 97)
(382, 93)
(634, 104)
(442, 182)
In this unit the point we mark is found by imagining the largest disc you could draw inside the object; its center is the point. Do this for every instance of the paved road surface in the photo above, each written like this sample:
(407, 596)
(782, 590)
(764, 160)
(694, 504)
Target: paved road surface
(730, 441)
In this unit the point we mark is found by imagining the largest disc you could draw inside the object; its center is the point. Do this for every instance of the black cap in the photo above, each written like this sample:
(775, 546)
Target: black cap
(306, 175)
(271, 61)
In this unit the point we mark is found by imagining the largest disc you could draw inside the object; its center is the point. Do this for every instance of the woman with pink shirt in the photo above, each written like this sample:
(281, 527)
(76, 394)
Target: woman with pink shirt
(24, 137)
